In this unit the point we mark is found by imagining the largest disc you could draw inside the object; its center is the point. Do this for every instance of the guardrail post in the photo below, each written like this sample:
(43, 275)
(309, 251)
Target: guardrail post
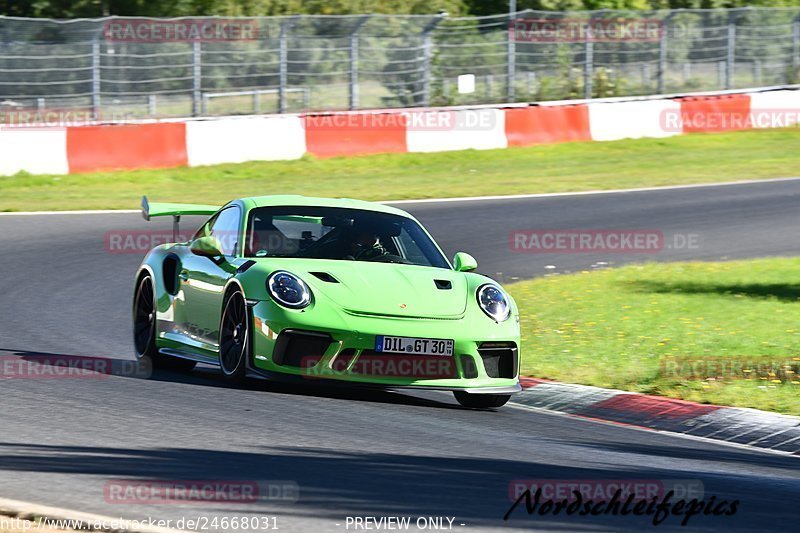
(96, 79)
(588, 67)
(730, 66)
(354, 42)
(353, 89)
(511, 63)
(663, 56)
(427, 57)
(283, 63)
(197, 79)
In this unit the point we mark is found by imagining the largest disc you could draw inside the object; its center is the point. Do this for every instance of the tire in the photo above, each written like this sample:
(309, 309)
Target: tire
(234, 338)
(144, 330)
(481, 401)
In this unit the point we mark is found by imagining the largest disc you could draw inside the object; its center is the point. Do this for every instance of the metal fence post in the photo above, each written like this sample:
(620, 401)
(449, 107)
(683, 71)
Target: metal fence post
(796, 42)
(283, 61)
(511, 64)
(427, 58)
(96, 79)
(197, 79)
(588, 68)
(730, 66)
(353, 104)
(354, 42)
(663, 57)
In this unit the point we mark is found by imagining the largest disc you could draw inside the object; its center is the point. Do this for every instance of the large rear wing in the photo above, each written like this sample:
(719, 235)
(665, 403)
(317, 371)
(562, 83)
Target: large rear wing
(162, 210)
(175, 211)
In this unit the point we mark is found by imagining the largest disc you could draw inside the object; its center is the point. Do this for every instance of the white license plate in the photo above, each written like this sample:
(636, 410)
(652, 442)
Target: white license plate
(413, 345)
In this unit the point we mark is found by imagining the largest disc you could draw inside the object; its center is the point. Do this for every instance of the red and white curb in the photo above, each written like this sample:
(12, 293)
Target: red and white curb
(741, 426)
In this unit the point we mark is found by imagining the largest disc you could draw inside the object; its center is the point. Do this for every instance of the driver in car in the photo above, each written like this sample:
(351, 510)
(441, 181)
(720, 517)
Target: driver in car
(366, 245)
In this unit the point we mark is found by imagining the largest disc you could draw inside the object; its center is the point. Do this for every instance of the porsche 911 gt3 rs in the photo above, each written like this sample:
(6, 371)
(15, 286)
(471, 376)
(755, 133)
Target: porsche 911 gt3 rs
(331, 289)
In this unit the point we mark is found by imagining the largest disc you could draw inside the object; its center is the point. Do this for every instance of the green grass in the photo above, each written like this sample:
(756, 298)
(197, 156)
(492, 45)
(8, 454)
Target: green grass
(629, 328)
(553, 168)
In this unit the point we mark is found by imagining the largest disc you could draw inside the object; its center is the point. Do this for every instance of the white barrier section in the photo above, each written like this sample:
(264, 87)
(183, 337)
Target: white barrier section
(461, 129)
(775, 109)
(633, 120)
(38, 151)
(236, 140)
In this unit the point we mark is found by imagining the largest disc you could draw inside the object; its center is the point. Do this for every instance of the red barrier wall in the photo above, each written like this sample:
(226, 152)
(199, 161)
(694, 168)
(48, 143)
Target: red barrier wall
(93, 148)
(715, 113)
(346, 134)
(547, 124)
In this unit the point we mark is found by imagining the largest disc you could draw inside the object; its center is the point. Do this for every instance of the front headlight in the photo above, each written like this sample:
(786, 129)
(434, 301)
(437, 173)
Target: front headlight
(288, 290)
(493, 301)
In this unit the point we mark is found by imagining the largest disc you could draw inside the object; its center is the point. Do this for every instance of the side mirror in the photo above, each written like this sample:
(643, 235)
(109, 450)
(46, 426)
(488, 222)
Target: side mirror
(207, 247)
(464, 262)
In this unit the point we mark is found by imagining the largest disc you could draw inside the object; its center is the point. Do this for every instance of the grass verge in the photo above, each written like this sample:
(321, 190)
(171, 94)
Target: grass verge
(697, 158)
(724, 333)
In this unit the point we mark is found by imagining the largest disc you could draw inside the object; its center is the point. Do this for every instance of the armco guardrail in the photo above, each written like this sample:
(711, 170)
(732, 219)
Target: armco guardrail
(34, 148)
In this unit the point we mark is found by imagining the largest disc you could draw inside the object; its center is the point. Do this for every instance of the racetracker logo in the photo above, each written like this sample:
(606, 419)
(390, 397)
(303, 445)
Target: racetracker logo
(679, 120)
(765, 369)
(586, 241)
(48, 118)
(140, 241)
(383, 365)
(198, 491)
(44, 366)
(54, 367)
(439, 120)
(180, 30)
(585, 30)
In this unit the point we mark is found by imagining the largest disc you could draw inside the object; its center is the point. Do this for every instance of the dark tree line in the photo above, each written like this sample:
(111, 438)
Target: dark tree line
(166, 8)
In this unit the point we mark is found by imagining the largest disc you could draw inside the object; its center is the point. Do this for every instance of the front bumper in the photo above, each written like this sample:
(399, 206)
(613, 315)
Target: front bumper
(335, 345)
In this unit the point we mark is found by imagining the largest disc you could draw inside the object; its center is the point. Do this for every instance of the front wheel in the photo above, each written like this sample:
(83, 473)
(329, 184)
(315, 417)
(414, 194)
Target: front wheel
(481, 401)
(234, 340)
(144, 330)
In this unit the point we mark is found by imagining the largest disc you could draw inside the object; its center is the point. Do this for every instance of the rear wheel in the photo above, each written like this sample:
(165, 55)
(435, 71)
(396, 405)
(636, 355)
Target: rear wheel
(144, 330)
(481, 401)
(234, 338)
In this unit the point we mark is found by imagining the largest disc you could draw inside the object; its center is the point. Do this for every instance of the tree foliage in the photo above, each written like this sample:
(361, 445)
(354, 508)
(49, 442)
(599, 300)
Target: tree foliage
(168, 8)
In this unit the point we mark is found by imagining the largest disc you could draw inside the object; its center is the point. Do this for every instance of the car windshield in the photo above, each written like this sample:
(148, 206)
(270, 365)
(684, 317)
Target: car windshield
(339, 233)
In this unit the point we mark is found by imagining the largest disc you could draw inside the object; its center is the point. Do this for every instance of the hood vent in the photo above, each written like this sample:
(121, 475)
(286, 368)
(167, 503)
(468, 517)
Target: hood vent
(443, 284)
(324, 276)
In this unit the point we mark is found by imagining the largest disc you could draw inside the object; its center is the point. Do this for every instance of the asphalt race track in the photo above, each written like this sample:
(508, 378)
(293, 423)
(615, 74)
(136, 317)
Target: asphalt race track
(360, 453)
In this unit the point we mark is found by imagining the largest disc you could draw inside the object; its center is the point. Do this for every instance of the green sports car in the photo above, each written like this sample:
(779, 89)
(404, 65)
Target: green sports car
(329, 289)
